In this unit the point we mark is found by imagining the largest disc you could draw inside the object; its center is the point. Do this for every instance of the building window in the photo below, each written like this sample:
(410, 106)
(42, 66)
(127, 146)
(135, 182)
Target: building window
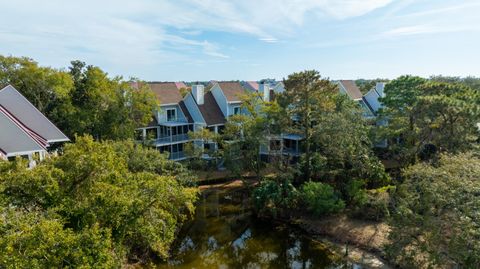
(236, 110)
(171, 114)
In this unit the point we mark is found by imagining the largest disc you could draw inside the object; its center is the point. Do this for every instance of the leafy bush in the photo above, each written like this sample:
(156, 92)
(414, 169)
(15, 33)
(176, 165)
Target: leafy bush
(275, 197)
(356, 193)
(375, 204)
(321, 198)
(368, 204)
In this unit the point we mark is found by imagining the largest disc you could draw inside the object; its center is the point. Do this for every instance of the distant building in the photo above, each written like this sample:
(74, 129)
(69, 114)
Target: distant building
(209, 105)
(24, 130)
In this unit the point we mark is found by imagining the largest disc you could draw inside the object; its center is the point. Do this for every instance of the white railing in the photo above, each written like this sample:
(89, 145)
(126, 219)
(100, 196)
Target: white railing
(183, 120)
(177, 155)
(171, 139)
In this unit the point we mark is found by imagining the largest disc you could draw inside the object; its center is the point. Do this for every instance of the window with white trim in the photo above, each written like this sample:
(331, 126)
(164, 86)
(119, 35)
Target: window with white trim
(236, 110)
(171, 114)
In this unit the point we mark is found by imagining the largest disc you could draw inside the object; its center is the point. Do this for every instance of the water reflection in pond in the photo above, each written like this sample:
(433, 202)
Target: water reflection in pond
(225, 235)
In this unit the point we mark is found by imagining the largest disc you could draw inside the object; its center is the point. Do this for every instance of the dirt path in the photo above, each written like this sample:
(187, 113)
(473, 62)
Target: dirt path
(364, 241)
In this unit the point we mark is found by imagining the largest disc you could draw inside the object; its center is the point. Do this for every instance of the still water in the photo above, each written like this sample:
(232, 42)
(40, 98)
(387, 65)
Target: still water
(224, 234)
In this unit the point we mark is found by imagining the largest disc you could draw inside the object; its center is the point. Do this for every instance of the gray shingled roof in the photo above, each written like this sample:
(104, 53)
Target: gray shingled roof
(14, 140)
(29, 115)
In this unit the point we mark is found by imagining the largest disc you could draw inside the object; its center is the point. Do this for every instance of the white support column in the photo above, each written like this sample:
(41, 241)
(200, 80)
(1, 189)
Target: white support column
(216, 132)
(31, 161)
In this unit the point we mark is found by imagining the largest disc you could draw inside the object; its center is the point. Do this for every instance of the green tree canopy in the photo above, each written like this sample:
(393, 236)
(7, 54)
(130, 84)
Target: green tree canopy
(342, 148)
(82, 101)
(429, 116)
(107, 108)
(46, 88)
(336, 141)
(307, 96)
(437, 217)
(245, 134)
(113, 201)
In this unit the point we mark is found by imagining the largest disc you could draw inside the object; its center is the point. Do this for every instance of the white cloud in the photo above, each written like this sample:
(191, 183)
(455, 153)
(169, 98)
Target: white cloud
(428, 29)
(442, 10)
(130, 34)
(411, 30)
(269, 39)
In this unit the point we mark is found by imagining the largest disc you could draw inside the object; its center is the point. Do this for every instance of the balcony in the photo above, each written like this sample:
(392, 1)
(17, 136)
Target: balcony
(177, 155)
(171, 139)
(291, 151)
(174, 122)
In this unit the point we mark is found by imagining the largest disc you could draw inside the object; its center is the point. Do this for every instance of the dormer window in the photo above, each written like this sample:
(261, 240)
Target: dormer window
(236, 110)
(171, 114)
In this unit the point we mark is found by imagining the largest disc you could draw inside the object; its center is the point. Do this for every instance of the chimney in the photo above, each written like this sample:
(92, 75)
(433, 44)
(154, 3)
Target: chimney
(379, 88)
(197, 92)
(264, 90)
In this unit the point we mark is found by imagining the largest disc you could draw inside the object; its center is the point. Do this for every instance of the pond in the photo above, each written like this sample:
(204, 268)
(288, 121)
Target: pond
(225, 234)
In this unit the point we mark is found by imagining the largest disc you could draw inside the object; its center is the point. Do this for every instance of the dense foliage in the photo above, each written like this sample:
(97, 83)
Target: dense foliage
(429, 117)
(307, 98)
(275, 197)
(321, 199)
(83, 100)
(366, 85)
(98, 204)
(437, 218)
(245, 134)
(336, 144)
(342, 149)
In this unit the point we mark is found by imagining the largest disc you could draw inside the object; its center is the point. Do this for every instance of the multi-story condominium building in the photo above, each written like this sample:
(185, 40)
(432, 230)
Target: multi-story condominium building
(210, 107)
(168, 130)
(24, 130)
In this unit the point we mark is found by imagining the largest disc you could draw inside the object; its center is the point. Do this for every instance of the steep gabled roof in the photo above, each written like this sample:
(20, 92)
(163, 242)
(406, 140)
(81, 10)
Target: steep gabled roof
(185, 111)
(210, 110)
(15, 138)
(167, 92)
(232, 90)
(351, 89)
(252, 85)
(29, 115)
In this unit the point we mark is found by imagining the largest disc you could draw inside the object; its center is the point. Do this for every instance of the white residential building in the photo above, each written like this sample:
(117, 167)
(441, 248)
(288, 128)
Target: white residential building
(24, 130)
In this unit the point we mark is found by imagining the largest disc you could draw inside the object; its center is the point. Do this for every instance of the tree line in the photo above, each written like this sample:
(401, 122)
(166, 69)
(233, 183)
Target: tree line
(82, 99)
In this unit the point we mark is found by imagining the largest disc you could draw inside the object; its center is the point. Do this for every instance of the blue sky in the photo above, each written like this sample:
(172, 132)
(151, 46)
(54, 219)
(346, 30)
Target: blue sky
(249, 39)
